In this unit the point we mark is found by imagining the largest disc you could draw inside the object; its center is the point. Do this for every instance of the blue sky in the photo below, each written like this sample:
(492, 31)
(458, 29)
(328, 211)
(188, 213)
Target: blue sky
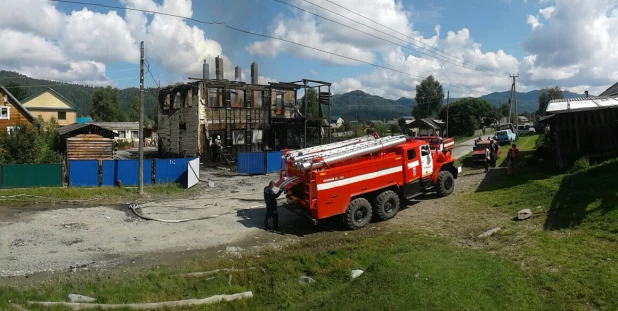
(99, 46)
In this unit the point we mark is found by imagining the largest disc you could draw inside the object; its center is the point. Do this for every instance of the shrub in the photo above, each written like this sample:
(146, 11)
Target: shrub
(580, 165)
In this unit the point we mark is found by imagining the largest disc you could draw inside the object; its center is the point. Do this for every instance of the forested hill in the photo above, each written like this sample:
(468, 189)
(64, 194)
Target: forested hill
(79, 95)
(358, 105)
(355, 105)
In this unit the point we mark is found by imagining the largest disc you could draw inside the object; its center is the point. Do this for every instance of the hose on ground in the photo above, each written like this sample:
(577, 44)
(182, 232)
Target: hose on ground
(134, 207)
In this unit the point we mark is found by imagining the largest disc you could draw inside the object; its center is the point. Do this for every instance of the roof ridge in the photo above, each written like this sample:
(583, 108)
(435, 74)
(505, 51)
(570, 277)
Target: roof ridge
(19, 104)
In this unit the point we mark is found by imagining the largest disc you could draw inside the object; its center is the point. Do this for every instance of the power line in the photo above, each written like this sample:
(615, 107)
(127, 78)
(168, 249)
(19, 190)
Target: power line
(373, 21)
(134, 9)
(274, 38)
(377, 37)
(339, 55)
(148, 69)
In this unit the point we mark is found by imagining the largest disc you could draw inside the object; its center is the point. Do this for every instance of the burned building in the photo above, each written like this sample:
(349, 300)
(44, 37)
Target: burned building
(248, 117)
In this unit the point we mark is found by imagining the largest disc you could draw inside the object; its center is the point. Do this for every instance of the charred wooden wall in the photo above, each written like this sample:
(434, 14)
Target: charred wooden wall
(179, 121)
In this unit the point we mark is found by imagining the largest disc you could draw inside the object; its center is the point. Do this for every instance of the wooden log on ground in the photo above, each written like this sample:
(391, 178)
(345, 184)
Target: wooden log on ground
(151, 305)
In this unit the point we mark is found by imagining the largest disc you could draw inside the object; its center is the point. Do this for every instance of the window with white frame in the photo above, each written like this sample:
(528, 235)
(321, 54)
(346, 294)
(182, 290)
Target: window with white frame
(5, 113)
(134, 134)
(10, 129)
(122, 134)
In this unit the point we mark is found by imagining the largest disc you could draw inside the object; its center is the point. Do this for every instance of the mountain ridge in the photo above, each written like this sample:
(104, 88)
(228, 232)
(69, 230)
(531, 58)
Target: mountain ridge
(354, 105)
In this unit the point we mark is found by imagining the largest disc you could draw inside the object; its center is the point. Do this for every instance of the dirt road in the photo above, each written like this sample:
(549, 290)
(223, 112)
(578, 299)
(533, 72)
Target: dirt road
(55, 238)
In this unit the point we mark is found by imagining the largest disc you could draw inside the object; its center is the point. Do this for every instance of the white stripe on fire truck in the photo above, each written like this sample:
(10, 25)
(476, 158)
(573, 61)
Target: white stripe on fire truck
(413, 164)
(358, 178)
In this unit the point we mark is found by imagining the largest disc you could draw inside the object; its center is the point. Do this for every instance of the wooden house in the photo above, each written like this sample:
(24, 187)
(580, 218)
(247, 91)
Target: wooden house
(582, 127)
(12, 111)
(49, 104)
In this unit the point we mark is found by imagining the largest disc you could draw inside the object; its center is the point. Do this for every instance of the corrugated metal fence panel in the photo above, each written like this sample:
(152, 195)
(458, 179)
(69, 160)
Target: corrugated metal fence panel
(31, 175)
(273, 161)
(125, 171)
(83, 173)
(108, 173)
(171, 170)
(251, 163)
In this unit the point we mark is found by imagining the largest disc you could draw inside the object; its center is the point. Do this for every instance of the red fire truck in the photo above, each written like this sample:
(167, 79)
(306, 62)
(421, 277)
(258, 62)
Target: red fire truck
(363, 178)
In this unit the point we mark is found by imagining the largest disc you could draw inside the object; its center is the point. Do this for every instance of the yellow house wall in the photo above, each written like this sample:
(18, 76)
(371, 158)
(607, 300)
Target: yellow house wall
(46, 100)
(47, 115)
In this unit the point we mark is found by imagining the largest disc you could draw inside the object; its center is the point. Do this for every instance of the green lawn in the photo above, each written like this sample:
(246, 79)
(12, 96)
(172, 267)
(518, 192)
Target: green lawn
(564, 258)
(85, 195)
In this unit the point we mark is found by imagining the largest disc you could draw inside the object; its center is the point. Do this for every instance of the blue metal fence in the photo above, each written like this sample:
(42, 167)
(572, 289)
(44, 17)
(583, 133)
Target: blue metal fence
(251, 163)
(125, 171)
(84, 173)
(274, 161)
(171, 170)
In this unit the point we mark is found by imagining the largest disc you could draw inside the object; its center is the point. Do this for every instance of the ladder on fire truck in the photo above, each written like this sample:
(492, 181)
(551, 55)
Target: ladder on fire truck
(313, 150)
(333, 155)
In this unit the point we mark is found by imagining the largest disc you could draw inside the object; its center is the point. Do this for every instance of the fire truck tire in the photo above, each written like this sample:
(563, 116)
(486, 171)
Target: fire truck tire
(358, 214)
(445, 183)
(386, 205)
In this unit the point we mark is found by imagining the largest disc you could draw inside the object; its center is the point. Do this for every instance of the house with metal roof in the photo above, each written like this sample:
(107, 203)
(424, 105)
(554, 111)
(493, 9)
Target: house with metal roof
(12, 111)
(582, 127)
(611, 91)
(50, 104)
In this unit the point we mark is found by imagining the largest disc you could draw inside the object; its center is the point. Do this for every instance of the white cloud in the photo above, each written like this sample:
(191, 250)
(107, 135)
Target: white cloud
(309, 30)
(575, 48)
(76, 46)
(547, 12)
(100, 37)
(534, 21)
(41, 18)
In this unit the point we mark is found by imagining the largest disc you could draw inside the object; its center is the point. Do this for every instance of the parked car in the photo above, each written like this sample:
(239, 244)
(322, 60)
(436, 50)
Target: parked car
(478, 153)
(526, 130)
(505, 136)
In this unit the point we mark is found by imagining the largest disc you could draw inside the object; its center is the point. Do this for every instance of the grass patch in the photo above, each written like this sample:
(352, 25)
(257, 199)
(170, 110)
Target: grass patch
(571, 247)
(97, 194)
(403, 271)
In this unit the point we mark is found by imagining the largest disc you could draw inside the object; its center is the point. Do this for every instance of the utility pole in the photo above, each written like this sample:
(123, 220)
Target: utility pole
(140, 166)
(515, 98)
(510, 105)
(448, 95)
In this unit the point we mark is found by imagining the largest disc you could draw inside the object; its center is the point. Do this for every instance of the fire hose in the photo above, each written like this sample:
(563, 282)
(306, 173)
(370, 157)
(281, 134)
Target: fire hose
(134, 207)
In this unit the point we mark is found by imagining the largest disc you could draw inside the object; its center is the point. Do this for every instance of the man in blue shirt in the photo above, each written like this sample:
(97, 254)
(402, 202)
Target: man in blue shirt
(270, 198)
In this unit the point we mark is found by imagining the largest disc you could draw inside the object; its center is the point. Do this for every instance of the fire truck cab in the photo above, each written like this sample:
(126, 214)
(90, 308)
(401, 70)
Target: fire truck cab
(364, 179)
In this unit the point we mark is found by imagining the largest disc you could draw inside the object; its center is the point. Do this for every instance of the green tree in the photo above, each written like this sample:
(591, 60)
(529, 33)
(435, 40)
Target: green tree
(381, 128)
(504, 110)
(106, 105)
(312, 105)
(134, 110)
(17, 90)
(395, 129)
(547, 94)
(156, 115)
(402, 124)
(28, 144)
(429, 97)
(467, 115)
(346, 126)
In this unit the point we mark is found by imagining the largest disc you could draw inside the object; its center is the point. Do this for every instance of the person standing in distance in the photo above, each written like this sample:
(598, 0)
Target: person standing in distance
(270, 198)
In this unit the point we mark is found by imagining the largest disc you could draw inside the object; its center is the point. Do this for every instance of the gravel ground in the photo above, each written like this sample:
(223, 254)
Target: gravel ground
(61, 239)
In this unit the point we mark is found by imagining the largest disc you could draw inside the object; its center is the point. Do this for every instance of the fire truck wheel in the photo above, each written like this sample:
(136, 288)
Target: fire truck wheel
(386, 205)
(358, 214)
(446, 183)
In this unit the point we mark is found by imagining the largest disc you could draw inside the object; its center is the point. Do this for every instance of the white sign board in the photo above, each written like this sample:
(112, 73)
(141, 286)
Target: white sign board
(193, 172)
